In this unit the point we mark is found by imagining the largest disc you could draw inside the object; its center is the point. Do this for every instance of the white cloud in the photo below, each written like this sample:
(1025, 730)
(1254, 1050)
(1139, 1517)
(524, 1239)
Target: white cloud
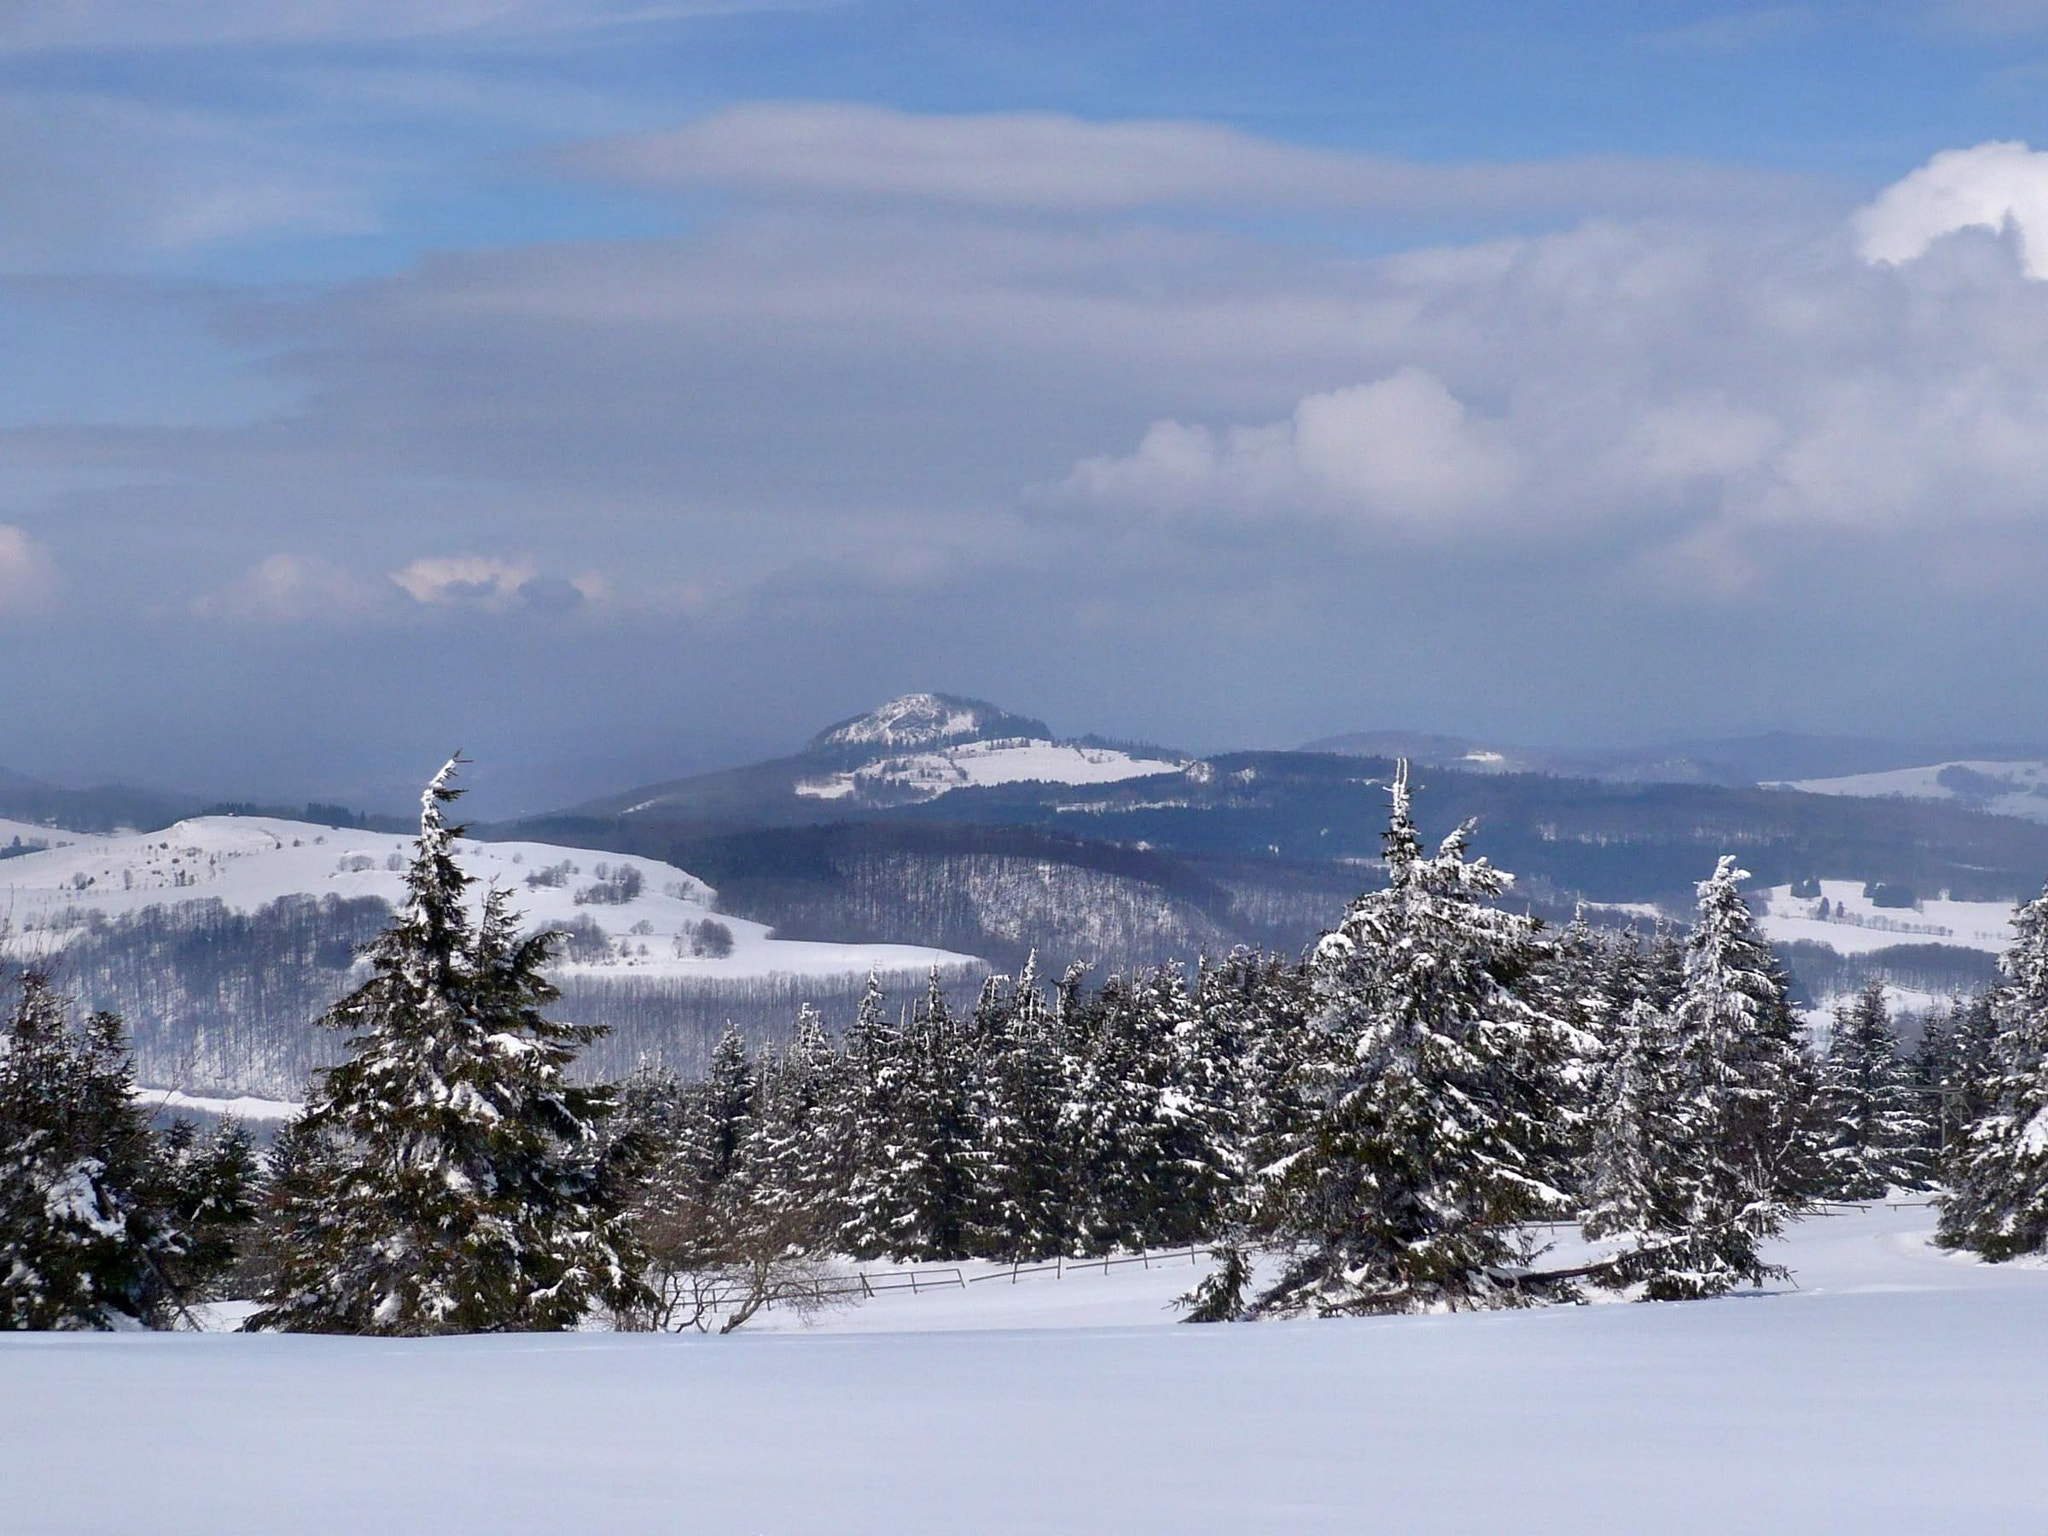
(1052, 162)
(288, 588)
(1402, 450)
(29, 582)
(466, 580)
(1991, 186)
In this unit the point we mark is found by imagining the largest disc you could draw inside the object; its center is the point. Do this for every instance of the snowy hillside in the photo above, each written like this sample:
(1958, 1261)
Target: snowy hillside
(1016, 760)
(29, 834)
(1856, 925)
(919, 720)
(638, 917)
(2000, 788)
(1896, 1390)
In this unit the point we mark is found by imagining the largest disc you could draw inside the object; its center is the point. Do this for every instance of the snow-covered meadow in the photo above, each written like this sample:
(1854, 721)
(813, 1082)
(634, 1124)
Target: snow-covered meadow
(1895, 1389)
(1857, 925)
(245, 861)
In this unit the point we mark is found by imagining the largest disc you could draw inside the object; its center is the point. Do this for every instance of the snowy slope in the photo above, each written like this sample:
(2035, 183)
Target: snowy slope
(1897, 1391)
(2001, 788)
(919, 720)
(1856, 926)
(31, 835)
(927, 775)
(245, 862)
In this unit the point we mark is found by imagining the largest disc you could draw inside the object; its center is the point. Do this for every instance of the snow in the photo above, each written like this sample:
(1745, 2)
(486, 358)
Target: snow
(1897, 1390)
(914, 720)
(838, 787)
(1011, 760)
(32, 833)
(1864, 926)
(2024, 793)
(245, 862)
(242, 1107)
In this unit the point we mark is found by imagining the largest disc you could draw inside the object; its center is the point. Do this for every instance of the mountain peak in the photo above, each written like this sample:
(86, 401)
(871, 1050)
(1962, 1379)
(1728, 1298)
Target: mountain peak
(919, 720)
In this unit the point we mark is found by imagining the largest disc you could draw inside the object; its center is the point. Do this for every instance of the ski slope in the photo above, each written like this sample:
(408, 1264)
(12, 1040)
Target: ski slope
(1897, 1390)
(245, 862)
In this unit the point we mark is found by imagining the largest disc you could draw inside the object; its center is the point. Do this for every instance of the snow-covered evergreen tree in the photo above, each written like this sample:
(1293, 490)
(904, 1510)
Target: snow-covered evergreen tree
(1741, 1144)
(1421, 1168)
(215, 1184)
(1998, 1202)
(1957, 1064)
(789, 1154)
(1026, 1126)
(939, 1161)
(1634, 1179)
(875, 1204)
(91, 1226)
(1872, 1123)
(720, 1117)
(454, 1181)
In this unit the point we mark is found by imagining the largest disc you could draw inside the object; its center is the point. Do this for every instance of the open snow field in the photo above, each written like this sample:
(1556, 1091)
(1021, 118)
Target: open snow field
(1896, 1390)
(1856, 925)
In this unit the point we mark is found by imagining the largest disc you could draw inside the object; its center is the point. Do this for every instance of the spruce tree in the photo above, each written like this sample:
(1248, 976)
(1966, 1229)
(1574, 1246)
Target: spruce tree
(1634, 1184)
(1115, 1118)
(875, 1201)
(1741, 1144)
(939, 1159)
(454, 1181)
(1963, 1075)
(789, 1154)
(1998, 1203)
(1873, 1128)
(90, 1201)
(1421, 1168)
(1027, 1129)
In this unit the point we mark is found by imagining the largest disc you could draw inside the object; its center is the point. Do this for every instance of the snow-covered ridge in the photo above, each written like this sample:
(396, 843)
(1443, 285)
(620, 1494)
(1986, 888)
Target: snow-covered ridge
(2016, 788)
(650, 918)
(919, 720)
(1014, 760)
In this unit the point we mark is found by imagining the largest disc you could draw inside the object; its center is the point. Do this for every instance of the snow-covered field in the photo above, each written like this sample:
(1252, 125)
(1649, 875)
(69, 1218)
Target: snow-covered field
(245, 862)
(2002, 788)
(1856, 926)
(1895, 1390)
(33, 835)
(933, 773)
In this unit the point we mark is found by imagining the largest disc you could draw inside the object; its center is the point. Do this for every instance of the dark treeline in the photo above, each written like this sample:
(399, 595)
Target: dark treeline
(1373, 1127)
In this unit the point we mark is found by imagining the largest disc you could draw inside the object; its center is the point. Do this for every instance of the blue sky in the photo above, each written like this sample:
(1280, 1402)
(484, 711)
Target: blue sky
(622, 387)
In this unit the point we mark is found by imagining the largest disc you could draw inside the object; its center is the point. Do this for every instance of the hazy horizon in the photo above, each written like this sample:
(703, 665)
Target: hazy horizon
(618, 391)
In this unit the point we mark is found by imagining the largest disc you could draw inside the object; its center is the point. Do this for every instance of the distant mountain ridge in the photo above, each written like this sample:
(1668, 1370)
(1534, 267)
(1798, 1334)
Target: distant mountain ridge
(913, 748)
(1770, 757)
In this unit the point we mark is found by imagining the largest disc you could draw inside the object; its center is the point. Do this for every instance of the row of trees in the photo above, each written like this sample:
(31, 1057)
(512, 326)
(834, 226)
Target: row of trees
(1387, 1116)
